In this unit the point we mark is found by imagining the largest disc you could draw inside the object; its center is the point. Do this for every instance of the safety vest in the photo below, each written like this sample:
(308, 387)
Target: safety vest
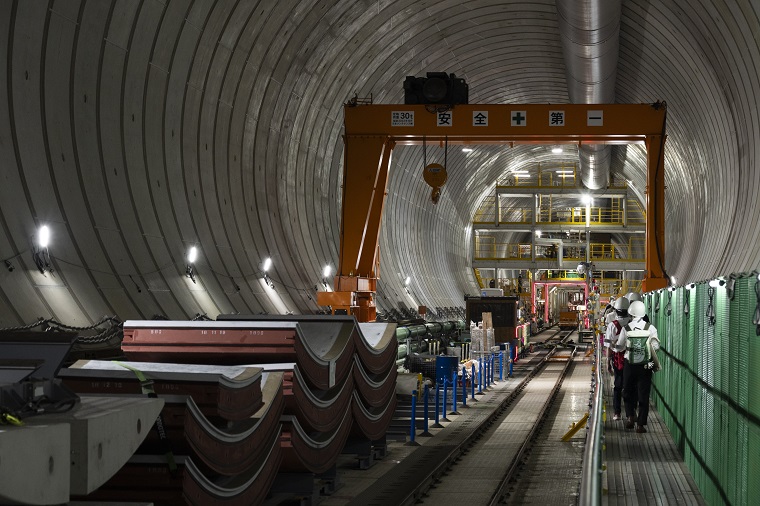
(637, 344)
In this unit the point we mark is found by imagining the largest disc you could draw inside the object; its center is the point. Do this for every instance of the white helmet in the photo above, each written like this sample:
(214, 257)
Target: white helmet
(637, 309)
(621, 304)
(632, 296)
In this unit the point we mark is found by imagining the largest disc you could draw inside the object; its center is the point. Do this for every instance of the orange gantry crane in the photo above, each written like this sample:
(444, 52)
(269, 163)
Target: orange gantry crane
(372, 131)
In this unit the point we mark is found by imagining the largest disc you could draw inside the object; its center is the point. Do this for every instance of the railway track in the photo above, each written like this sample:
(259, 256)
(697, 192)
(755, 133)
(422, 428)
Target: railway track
(496, 441)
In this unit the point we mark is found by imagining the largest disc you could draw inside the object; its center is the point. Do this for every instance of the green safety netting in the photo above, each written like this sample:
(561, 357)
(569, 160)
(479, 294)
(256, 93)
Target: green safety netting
(708, 391)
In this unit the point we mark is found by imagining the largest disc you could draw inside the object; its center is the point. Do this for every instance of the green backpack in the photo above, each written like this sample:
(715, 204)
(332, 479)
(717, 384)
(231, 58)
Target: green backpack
(636, 342)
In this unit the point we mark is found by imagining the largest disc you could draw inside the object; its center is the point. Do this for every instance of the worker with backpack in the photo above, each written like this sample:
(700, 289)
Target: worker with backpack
(640, 340)
(616, 320)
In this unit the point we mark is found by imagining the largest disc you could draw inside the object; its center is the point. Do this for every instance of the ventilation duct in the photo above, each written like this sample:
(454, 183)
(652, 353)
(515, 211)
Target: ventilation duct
(590, 33)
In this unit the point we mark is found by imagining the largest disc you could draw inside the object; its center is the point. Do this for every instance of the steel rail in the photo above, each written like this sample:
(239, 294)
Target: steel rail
(501, 490)
(434, 473)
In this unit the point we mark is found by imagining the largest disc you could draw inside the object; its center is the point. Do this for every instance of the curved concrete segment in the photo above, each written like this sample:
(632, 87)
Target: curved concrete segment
(203, 342)
(372, 422)
(322, 348)
(376, 390)
(316, 409)
(316, 452)
(323, 344)
(246, 489)
(189, 484)
(233, 450)
(377, 346)
(231, 392)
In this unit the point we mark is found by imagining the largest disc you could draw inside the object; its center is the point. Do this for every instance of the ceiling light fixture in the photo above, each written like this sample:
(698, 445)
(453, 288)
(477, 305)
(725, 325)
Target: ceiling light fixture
(466, 150)
(40, 253)
(556, 151)
(267, 264)
(192, 256)
(44, 236)
(325, 274)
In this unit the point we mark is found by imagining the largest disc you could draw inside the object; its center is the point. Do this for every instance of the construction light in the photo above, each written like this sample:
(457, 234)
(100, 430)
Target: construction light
(466, 150)
(715, 283)
(192, 256)
(44, 236)
(267, 264)
(556, 151)
(538, 233)
(587, 200)
(40, 252)
(407, 281)
(673, 280)
(690, 286)
(326, 271)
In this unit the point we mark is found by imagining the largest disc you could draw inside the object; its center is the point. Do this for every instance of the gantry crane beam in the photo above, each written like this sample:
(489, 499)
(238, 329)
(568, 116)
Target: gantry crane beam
(372, 131)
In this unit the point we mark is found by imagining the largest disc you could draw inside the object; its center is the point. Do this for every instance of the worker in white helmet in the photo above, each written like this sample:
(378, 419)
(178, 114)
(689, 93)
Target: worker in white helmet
(640, 341)
(617, 319)
(633, 297)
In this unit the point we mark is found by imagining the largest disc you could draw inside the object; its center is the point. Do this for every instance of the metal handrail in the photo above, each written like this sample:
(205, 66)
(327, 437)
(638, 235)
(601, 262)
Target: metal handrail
(591, 474)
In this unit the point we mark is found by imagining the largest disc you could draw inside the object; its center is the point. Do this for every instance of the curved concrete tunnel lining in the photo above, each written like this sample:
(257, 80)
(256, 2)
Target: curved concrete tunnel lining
(269, 111)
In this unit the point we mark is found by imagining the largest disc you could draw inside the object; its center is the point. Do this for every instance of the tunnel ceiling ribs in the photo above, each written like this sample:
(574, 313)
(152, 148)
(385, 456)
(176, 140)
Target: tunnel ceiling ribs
(136, 130)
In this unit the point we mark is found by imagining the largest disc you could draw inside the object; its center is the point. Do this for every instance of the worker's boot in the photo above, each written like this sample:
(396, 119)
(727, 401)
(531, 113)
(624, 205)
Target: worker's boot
(630, 422)
(640, 429)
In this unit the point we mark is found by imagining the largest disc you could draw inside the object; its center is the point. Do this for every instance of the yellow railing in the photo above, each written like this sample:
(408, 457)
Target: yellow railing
(516, 215)
(560, 275)
(551, 214)
(488, 248)
(577, 216)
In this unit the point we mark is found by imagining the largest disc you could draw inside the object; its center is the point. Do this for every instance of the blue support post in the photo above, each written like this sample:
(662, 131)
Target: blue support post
(493, 368)
(413, 423)
(425, 395)
(510, 361)
(454, 394)
(472, 382)
(464, 387)
(437, 424)
(445, 395)
(480, 377)
(501, 366)
(487, 375)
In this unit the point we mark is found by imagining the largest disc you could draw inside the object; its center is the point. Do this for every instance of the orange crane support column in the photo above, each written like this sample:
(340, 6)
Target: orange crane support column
(365, 182)
(654, 277)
